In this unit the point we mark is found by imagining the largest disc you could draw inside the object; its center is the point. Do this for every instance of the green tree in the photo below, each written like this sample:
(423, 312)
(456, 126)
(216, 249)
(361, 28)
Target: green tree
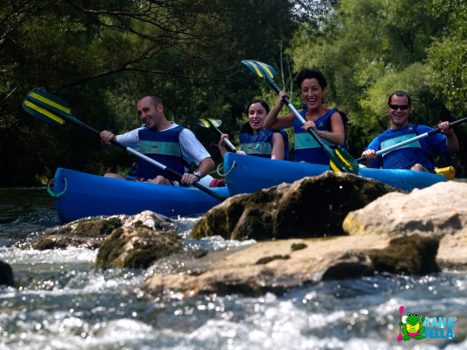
(101, 56)
(367, 49)
(447, 56)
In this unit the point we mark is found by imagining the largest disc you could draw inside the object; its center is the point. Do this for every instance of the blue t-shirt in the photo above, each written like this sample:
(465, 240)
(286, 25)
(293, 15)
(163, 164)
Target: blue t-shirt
(419, 151)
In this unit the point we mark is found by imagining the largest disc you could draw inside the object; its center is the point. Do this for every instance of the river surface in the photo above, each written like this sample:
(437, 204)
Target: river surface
(62, 302)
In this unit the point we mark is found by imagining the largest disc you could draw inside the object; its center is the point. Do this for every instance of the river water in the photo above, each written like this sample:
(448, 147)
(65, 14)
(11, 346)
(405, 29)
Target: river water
(61, 302)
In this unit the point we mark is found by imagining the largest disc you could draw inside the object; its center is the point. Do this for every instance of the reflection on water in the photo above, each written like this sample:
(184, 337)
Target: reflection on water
(62, 302)
(24, 210)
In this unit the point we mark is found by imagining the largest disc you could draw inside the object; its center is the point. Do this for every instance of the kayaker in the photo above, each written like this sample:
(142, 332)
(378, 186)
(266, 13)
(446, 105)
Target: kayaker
(166, 142)
(416, 155)
(329, 124)
(257, 141)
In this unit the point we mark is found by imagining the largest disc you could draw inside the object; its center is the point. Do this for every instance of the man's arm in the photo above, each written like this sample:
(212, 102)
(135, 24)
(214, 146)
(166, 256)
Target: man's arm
(194, 152)
(452, 142)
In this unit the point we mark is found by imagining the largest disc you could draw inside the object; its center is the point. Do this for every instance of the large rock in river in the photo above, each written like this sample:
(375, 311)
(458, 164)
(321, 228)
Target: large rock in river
(276, 266)
(311, 207)
(437, 211)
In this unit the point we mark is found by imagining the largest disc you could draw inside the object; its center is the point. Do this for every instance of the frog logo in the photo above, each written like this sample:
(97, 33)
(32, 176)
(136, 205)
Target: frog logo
(411, 327)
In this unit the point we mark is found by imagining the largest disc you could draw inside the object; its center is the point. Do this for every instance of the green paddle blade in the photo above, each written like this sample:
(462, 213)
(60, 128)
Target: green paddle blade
(260, 69)
(47, 100)
(41, 113)
(342, 161)
(207, 122)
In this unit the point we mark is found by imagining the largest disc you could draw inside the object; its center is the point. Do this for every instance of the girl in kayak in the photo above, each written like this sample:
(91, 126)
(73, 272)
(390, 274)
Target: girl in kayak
(256, 140)
(329, 124)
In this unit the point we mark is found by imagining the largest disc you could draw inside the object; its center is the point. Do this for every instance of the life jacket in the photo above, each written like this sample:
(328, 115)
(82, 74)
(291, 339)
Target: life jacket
(407, 155)
(260, 144)
(163, 147)
(306, 147)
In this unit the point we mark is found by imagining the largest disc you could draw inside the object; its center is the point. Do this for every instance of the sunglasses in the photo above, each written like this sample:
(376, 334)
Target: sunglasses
(401, 107)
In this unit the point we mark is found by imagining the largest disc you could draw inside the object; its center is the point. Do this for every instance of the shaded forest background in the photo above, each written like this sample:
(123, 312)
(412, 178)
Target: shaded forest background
(100, 56)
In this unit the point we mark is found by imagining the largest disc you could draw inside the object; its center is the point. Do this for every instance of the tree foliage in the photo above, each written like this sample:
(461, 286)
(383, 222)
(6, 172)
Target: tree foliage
(100, 56)
(368, 49)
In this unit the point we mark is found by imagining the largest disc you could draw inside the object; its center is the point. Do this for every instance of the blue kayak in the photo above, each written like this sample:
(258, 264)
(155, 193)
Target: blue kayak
(80, 195)
(247, 174)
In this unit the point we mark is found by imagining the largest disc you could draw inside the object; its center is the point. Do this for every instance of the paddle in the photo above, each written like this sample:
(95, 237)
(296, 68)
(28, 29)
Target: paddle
(416, 138)
(215, 123)
(340, 159)
(399, 337)
(47, 107)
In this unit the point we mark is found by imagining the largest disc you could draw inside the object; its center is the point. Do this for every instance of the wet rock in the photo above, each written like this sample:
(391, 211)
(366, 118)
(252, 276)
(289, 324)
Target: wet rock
(136, 247)
(277, 266)
(91, 232)
(311, 207)
(437, 211)
(6, 274)
(410, 254)
(452, 251)
(85, 233)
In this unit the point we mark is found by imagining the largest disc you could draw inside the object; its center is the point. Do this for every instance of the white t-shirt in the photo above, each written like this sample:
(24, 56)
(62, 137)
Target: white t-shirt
(192, 150)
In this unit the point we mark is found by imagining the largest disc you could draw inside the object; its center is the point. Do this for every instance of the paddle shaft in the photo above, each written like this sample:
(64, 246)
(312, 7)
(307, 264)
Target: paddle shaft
(339, 159)
(227, 142)
(161, 166)
(416, 138)
(153, 162)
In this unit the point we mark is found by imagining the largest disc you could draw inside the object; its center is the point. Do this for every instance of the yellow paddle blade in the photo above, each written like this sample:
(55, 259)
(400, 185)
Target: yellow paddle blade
(49, 102)
(215, 122)
(334, 167)
(260, 69)
(207, 122)
(266, 69)
(40, 112)
(342, 158)
(256, 69)
(204, 122)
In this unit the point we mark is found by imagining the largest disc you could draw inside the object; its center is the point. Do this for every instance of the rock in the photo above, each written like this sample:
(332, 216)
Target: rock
(439, 210)
(85, 233)
(6, 274)
(136, 247)
(452, 251)
(311, 207)
(276, 266)
(91, 232)
(411, 254)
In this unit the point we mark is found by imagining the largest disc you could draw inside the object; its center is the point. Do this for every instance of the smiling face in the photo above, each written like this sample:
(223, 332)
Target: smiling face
(399, 109)
(312, 93)
(149, 113)
(256, 115)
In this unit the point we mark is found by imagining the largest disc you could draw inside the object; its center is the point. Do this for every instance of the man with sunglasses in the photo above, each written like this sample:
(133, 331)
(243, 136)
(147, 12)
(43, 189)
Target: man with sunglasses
(416, 155)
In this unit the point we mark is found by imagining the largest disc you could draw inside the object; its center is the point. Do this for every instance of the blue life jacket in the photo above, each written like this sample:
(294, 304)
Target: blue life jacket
(163, 147)
(260, 144)
(306, 147)
(405, 157)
